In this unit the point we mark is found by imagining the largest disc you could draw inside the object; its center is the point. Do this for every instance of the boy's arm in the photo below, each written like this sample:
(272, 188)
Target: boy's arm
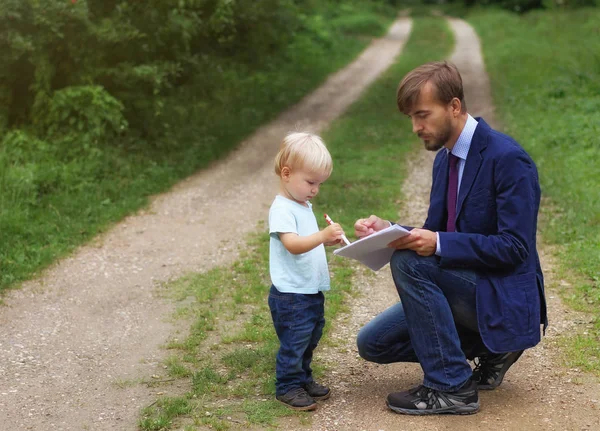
(297, 244)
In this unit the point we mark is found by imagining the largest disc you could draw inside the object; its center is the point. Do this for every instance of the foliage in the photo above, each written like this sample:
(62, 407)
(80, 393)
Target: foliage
(105, 102)
(88, 113)
(138, 51)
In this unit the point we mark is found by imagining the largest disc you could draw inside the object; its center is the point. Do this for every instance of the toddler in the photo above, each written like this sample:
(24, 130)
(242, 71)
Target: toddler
(298, 267)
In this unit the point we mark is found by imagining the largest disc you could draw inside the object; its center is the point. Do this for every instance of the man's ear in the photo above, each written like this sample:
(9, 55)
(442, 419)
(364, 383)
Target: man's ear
(456, 107)
(286, 172)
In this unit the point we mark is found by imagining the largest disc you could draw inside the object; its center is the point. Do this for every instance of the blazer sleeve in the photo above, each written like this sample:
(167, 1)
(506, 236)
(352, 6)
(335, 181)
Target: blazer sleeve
(517, 197)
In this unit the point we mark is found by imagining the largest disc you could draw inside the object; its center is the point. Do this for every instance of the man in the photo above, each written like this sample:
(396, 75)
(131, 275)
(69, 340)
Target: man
(469, 281)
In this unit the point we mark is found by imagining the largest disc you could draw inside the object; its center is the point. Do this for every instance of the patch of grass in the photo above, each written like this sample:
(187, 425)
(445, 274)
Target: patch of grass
(546, 86)
(176, 369)
(161, 415)
(207, 380)
(370, 147)
(583, 351)
(265, 412)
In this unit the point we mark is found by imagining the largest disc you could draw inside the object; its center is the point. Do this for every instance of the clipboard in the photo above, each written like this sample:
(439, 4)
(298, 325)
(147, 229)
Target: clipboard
(372, 250)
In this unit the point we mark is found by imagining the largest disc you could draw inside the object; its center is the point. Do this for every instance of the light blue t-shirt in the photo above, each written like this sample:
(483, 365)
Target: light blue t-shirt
(295, 273)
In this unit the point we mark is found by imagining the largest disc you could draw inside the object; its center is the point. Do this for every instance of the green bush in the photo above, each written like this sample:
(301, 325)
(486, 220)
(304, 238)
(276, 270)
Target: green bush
(27, 169)
(83, 116)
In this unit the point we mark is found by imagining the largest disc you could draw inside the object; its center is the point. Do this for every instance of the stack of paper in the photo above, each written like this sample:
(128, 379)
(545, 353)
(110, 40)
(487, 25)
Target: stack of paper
(372, 250)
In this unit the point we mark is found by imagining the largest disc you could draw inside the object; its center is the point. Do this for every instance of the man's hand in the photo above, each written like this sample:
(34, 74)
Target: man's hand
(422, 241)
(366, 226)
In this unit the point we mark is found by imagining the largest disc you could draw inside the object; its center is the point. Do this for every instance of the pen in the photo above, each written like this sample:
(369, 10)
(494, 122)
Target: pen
(330, 222)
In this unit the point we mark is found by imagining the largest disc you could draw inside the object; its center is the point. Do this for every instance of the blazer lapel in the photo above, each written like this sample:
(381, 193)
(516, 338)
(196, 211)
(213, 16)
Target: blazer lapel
(443, 175)
(469, 173)
(473, 163)
(436, 214)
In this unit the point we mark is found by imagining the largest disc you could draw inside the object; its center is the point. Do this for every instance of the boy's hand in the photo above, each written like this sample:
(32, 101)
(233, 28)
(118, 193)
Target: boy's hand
(332, 234)
(367, 226)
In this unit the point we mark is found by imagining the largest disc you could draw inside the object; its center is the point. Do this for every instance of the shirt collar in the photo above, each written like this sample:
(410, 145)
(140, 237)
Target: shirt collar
(461, 148)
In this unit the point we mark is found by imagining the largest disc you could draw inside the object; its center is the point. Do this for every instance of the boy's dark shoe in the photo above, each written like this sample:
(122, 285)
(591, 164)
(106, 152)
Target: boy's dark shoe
(425, 401)
(317, 391)
(491, 368)
(297, 399)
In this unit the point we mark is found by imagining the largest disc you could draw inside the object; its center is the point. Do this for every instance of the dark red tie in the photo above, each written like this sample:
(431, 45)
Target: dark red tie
(452, 192)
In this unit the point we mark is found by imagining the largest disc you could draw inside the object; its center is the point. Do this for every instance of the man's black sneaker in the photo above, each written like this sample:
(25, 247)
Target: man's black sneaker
(490, 369)
(297, 399)
(317, 391)
(425, 401)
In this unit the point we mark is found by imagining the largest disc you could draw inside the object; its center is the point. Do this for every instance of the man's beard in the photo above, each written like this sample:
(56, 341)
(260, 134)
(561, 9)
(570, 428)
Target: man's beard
(437, 141)
(435, 144)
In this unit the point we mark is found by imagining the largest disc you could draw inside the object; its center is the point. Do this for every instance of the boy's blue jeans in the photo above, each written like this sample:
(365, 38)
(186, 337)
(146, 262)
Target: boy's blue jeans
(299, 320)
(435, 323)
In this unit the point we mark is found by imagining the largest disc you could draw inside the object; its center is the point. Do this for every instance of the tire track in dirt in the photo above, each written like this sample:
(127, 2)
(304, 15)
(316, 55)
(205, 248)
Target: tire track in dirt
(73, 340)
(538, 393)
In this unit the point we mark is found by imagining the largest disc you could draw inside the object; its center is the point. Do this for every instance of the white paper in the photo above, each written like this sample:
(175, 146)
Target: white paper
(373, 250)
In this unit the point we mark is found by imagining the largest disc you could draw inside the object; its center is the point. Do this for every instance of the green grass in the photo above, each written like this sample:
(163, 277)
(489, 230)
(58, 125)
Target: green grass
(55, 197)
(545, 73)
(232, 365)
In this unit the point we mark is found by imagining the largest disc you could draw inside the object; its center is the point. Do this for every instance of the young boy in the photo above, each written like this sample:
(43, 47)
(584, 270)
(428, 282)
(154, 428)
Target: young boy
(298, 267)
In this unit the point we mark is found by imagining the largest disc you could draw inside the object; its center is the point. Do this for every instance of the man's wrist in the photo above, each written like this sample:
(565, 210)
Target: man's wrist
(438, 247)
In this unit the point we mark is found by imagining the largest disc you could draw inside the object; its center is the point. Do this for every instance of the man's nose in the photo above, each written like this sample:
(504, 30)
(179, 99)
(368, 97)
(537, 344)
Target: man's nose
(416, 126)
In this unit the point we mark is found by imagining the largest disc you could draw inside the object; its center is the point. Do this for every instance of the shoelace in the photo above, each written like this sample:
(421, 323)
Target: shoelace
(428, 395)
(431, 398)
(298, 393)
(480, 362)
(486, 368)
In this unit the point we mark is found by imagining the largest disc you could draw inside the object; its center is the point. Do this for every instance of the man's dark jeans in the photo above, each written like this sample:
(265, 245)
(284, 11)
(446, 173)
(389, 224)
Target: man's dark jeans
(299, 321)
(436, 313)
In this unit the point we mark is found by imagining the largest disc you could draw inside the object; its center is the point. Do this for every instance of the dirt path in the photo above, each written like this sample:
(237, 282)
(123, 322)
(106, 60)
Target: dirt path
(537, 394)
(73, 341)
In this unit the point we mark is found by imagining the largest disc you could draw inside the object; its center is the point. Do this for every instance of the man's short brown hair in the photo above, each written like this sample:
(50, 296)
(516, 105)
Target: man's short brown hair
(444, 76)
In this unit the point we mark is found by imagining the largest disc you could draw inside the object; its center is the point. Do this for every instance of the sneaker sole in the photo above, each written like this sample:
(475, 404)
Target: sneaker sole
(501, 374)
(468, 409)
(300, 409)
(322, 397)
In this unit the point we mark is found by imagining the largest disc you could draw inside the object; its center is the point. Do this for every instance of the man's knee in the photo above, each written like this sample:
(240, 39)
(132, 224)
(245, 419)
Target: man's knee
(362, 341)
(366, 349)
(403, 257)
(404, 261)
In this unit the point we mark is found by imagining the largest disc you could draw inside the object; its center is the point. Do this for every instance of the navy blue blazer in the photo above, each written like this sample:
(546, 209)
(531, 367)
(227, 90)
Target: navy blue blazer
(496, 222)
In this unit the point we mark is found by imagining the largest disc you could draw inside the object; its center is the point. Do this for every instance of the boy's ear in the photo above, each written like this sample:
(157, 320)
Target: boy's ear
(285, 172)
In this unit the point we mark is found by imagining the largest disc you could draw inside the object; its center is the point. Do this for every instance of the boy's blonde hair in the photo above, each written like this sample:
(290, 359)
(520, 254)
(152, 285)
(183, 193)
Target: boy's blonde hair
(301, 150)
